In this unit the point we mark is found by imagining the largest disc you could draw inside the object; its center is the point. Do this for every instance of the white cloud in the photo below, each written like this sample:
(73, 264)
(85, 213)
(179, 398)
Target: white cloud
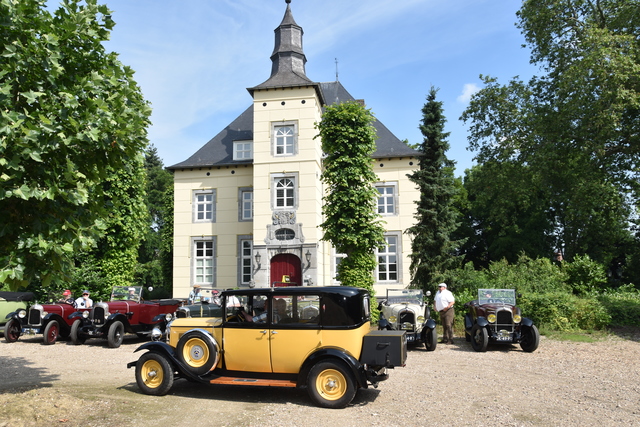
(467, 91)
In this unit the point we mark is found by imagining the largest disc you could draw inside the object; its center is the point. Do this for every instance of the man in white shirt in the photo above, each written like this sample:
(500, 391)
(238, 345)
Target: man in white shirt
(84, 301)
(443, 302)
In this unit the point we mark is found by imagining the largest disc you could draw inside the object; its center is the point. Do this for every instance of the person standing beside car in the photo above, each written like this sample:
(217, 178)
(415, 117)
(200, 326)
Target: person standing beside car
(84, 301)
(443, 303)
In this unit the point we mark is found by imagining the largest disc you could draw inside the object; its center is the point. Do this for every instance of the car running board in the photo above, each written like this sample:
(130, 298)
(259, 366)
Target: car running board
(253, 381)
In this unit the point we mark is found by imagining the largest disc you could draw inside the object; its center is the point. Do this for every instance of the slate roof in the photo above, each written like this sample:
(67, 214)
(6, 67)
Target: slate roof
(288, 70)
(219, 150)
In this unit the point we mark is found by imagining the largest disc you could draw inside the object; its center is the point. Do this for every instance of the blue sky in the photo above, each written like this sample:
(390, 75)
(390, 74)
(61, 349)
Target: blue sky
(194, 59)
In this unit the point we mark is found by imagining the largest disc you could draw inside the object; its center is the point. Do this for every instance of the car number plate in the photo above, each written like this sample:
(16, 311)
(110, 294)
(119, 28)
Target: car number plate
(410, 338)
(503, 338)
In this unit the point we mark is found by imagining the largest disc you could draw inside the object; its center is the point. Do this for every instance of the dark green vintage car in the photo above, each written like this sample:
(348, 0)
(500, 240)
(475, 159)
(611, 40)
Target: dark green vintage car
(200, 309)
(11, 302)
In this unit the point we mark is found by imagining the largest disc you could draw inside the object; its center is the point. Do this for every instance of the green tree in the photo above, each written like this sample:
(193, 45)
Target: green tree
(352, 223)
(150, 271)
(69, 114)
(432, 249)
(575, 127)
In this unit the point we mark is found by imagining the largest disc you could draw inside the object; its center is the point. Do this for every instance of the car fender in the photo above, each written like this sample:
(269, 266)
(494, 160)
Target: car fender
(116, 316)
(160, 318)
(526, 322)
(430, 323)
(170, 353)
(332, 353)
(468, 322)
(383, 324)
(64, 327)
(482, 321)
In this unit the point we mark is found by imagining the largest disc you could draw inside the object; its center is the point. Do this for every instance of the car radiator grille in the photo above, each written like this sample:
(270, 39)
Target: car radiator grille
(35, 317)
(504, 320)
(407, 321)
(98, 315)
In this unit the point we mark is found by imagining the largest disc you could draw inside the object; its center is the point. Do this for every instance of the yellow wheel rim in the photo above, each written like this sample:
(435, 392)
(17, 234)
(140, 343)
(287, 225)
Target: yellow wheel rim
(331, 384)
(152, 373)
(196, 353)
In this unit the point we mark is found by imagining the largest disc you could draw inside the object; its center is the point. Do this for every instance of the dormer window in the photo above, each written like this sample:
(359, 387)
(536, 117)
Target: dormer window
(242, 150)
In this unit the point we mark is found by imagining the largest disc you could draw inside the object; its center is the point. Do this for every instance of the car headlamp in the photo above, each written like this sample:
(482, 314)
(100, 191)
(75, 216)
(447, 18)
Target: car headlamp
(22, 314)
(168, 317)
(491, 318)
(393, 319)
(421, 319)
(44, 313)
(156, 334)
(517, 318)
(85, 314)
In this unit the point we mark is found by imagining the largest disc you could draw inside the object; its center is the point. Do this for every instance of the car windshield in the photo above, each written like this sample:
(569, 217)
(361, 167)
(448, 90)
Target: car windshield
(404, 296)
(126, 293)
(497, 296)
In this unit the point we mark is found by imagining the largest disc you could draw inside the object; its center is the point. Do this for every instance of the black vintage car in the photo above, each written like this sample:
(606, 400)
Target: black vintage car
(208, 305)
(494, 317)
(314, 337)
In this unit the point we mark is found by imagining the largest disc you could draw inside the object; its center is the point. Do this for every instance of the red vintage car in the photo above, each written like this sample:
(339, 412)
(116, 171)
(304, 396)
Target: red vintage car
(51, 320)
(127, 312)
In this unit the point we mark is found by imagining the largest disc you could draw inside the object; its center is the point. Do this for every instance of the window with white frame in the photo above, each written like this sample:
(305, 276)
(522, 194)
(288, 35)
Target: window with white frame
(203, 262)
(242, 150)
(246, 204)
(387, 199)
(337, 259)
(204, 206)
(388, 255)
(284, 140)
(284, 196)
(245, 260)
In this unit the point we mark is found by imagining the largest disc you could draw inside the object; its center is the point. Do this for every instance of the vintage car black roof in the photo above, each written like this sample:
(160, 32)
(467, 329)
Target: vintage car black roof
(17, 296)
(346, 291)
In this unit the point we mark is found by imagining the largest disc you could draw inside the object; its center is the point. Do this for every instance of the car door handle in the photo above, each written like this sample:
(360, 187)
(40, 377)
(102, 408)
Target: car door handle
(263, 332)
(274, 332)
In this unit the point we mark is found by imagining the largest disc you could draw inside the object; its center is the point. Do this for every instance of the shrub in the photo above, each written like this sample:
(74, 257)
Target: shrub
(585, 276)
(623, 305)
(562, 311)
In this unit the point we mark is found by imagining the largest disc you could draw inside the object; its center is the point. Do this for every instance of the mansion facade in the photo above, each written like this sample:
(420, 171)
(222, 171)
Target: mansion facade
(248, 204)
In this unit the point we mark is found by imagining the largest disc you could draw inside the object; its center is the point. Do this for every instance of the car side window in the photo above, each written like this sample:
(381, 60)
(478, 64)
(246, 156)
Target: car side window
(296, 310)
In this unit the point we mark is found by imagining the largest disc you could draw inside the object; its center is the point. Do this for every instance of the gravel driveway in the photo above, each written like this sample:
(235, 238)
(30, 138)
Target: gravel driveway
(561, 384)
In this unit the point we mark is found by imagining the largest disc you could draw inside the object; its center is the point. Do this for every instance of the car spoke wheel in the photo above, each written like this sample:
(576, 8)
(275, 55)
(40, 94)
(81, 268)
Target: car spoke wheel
(530, 338)
(154, 374)
(331, 384)
(76, 336)
(430, 338)
(198, 351)
(12, 330)
(51, 332)
(115, 335)
(479, 338)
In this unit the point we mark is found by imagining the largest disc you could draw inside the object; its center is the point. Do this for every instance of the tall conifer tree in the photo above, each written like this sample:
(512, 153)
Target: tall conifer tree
(432, 249)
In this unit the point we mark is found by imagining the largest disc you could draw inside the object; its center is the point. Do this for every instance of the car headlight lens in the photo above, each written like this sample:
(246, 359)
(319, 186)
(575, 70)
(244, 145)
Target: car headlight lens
(168, 317)
(44, 313)
(393, 319)
(491, 318)
(106, 315)
(156, 334)
(85, 314)
(517, 318)
(420, 318)
(22, 314)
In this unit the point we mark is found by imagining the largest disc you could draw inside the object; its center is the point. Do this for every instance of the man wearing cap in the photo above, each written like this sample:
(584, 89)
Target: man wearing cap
(194, 295)
(66, 297)
(84, 301)
(443, 302)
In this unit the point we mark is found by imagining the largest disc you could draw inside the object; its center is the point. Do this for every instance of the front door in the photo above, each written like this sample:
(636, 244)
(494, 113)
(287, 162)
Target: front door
(286, 270)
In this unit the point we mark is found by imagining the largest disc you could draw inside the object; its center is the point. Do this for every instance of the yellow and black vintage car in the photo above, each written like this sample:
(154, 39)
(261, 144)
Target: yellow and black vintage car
(315, 337)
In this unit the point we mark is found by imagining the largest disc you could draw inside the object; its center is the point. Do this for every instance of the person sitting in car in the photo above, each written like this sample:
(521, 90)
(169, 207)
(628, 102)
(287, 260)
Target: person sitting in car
(66, 297)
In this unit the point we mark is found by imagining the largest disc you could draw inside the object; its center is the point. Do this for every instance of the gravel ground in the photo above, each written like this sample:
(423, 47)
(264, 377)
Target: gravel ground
(561, 384)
